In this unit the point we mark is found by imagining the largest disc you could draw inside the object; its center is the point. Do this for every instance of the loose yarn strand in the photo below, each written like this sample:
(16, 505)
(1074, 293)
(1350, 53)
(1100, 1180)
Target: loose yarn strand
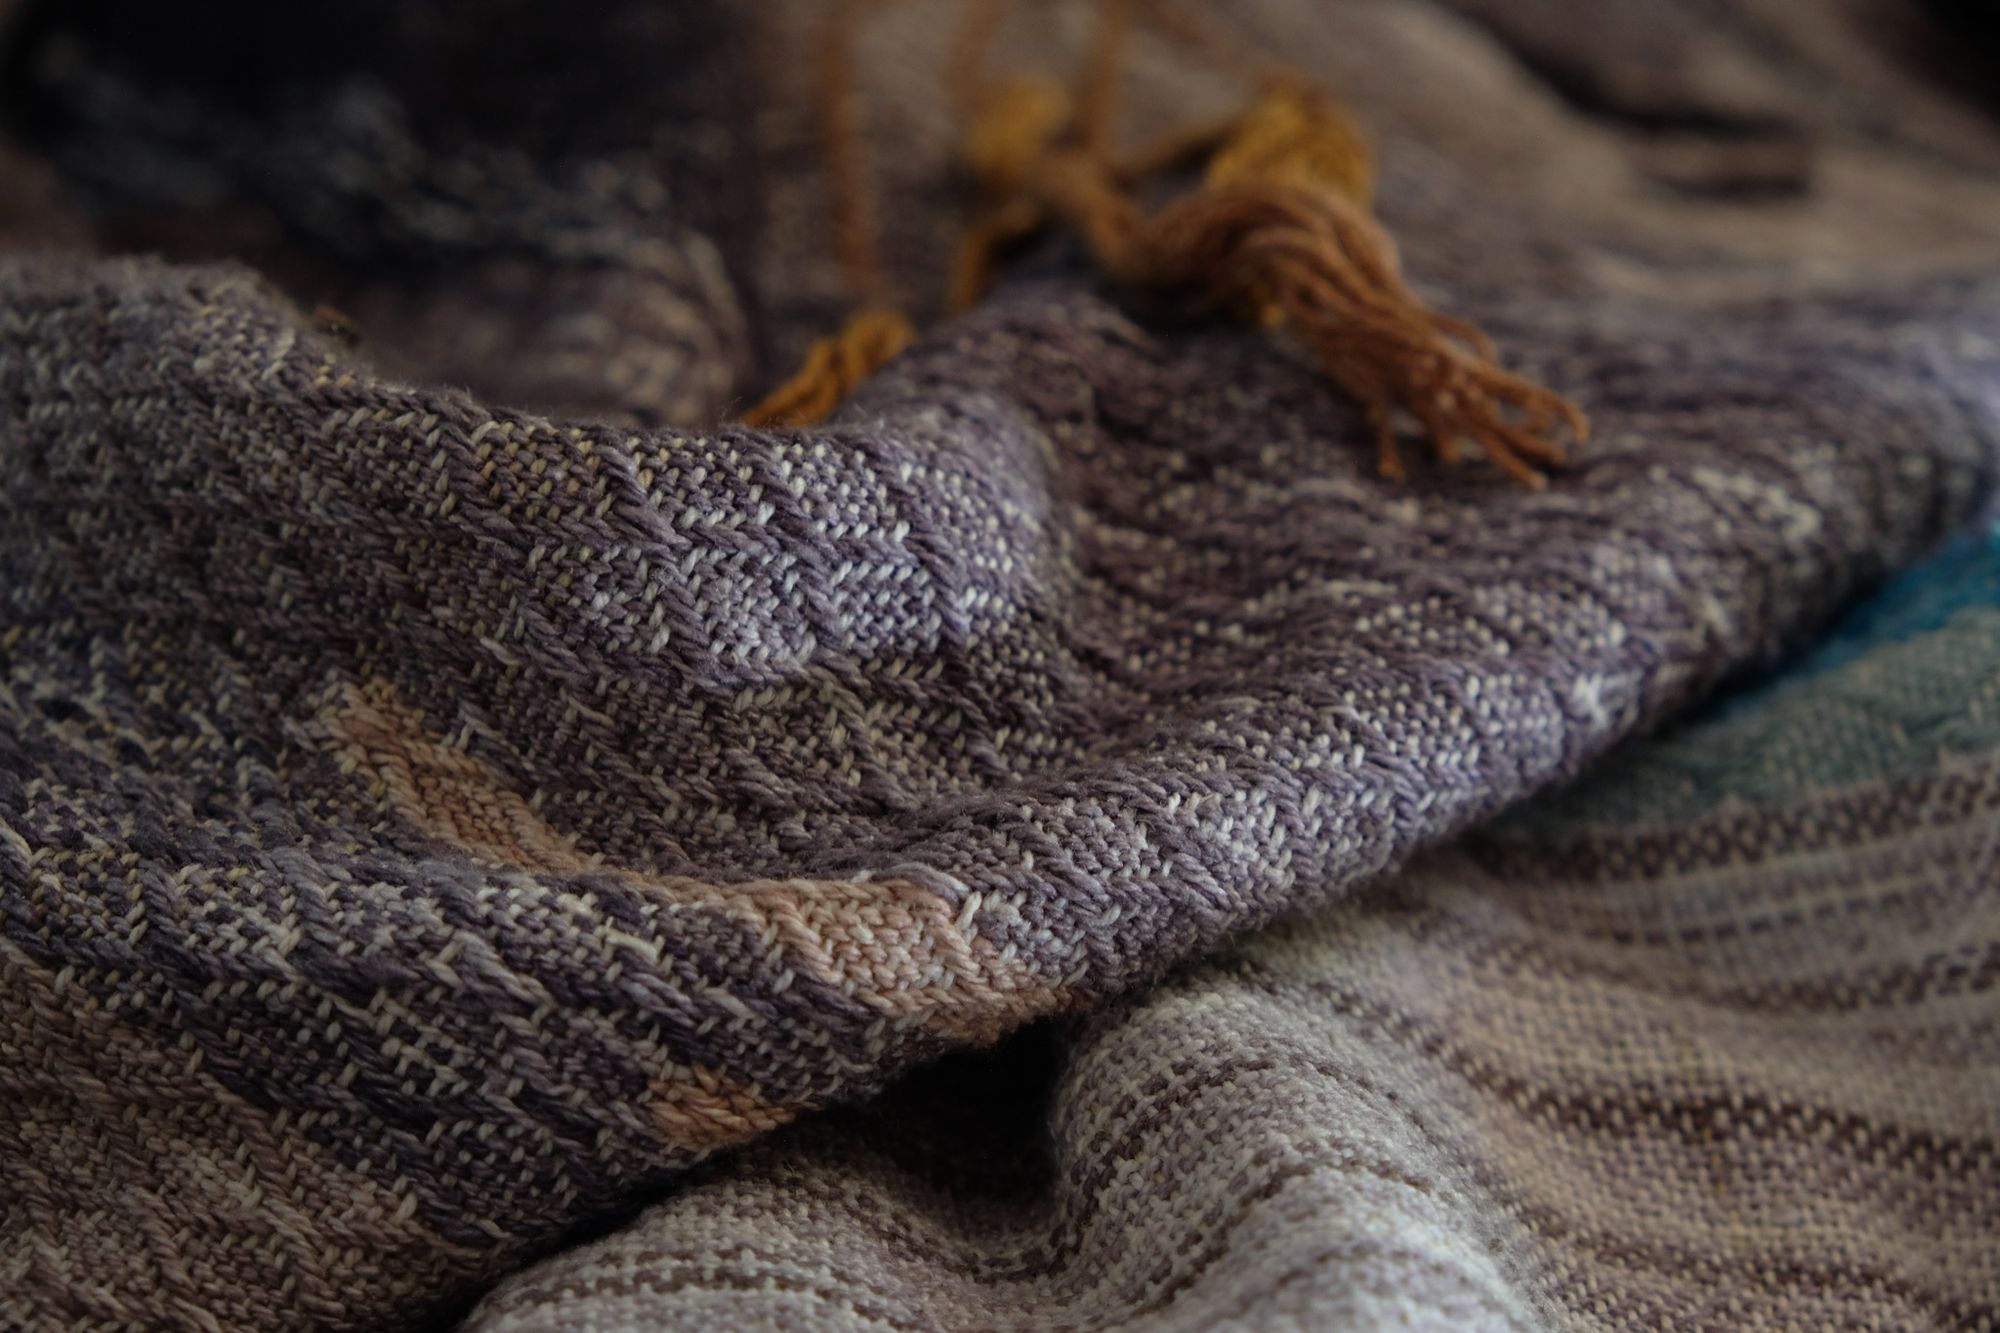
(1280, 230)
(1097, 86)
(877, 331)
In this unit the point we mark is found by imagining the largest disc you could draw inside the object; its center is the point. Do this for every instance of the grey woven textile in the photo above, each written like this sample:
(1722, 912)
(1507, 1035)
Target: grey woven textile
(450, 785)
(1706, 1043)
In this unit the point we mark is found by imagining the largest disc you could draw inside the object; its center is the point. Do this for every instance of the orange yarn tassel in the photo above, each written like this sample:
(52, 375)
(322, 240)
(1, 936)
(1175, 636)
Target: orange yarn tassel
(1279, 230)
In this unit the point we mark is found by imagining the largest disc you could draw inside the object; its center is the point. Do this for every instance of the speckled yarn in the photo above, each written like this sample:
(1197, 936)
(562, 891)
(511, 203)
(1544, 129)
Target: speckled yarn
(434, 818)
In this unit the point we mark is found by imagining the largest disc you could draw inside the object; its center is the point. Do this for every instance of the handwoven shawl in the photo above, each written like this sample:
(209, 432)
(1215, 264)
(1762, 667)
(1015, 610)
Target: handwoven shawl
(1706, 1042)
(452, 782)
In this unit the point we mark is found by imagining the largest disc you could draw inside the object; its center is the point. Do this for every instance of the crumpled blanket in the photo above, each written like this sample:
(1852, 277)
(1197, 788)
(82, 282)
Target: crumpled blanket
(453, 783)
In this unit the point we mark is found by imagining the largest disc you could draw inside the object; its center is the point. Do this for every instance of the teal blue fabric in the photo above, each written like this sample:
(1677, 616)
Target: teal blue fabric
(1908, 678)
(1964, 575)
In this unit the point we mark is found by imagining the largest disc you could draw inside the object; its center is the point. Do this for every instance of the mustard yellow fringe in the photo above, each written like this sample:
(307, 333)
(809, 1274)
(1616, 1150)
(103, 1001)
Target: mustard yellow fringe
(1279, 230)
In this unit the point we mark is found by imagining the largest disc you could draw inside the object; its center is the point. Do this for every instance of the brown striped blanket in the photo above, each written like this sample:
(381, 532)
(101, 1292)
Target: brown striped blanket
(484, 839)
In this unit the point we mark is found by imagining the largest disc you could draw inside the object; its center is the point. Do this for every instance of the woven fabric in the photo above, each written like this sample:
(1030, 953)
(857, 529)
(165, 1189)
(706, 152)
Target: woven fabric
(433, 819)
(1627, 1060)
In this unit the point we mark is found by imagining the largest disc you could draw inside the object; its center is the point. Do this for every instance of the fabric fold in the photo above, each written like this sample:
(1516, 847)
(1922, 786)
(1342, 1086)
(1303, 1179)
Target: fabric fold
(517, 810)
(452, 782)
(1704, 1041)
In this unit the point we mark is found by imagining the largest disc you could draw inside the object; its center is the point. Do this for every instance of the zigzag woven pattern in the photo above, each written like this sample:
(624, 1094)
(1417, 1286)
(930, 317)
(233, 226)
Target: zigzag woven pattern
(499, 814)
(1714, 1064)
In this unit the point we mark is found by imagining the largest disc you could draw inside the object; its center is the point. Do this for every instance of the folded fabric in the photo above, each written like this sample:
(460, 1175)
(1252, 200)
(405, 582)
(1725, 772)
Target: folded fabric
(1706, 1042)
(433, 819)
